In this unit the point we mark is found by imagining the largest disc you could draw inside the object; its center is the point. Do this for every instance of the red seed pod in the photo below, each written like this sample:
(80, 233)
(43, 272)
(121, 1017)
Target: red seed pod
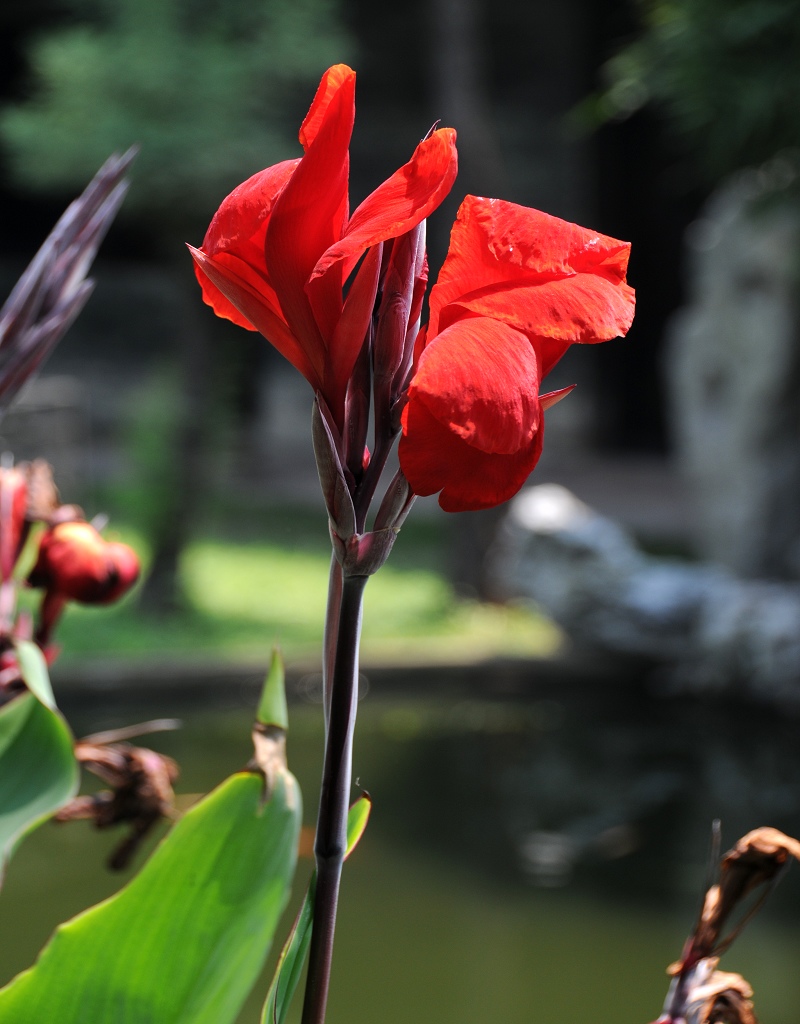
(75, 562)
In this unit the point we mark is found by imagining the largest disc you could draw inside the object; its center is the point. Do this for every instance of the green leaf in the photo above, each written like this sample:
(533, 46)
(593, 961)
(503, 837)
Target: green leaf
(357, 818)
(38, 771)
(295, 950)
(290, 965)
(272, 708)
(33, 669)
(185, 939)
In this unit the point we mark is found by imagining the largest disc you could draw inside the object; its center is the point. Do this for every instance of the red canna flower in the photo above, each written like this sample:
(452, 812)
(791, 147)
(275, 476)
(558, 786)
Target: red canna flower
(516, 289)
(282, 245)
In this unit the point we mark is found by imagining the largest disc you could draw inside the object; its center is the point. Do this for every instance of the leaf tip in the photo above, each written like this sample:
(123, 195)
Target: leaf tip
(272, 707)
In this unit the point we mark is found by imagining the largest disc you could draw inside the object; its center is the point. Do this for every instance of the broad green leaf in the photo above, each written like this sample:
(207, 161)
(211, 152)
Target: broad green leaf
(295, 950)
(185, 939)
(33, 669)
(38, 772)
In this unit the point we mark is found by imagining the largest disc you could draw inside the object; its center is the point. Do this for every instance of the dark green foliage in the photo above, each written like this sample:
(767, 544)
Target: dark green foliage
(724, 72)
(197, 83)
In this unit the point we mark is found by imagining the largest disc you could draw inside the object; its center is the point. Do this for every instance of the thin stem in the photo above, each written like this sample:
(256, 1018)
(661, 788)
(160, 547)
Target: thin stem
(331, 634)
(331, 841)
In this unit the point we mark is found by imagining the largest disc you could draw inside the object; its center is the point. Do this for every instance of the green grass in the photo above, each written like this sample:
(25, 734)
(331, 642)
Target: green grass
(244, 596)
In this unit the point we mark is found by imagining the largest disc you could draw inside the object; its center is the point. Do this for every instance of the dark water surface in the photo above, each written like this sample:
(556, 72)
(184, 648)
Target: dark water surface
(535, 860)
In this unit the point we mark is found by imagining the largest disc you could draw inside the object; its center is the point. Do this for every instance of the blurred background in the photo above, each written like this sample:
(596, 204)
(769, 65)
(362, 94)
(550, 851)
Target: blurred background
(669, 123)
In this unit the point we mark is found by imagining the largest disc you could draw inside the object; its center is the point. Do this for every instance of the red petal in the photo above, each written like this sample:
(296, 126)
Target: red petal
(480, 379)
(250, 308)
(309, 217)
(240, 224)
(581, 308)
(240, 271)
(238, 229)
(434, 459)
(401, 202)
(332, 81)
(353, 325)
(499, 243)
(549, 353)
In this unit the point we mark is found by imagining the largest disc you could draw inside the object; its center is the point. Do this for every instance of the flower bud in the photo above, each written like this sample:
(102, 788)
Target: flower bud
(75, 562)
(335, 489)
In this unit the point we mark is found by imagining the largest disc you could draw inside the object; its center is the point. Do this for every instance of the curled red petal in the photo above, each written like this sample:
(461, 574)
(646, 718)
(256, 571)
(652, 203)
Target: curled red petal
(212, 296)
(235, 294)
(238, 230)
(240, 224)
(433, 459)
(495, 243)
(400, 203)
(480, 379)
(309, 216)
(331, 82)
(582, 308)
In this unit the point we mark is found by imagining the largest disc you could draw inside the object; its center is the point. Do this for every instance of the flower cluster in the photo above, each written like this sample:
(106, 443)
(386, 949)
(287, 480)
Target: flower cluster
(340, 296)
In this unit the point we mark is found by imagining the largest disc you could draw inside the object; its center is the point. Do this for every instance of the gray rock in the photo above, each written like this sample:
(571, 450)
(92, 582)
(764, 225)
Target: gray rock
(705, 628)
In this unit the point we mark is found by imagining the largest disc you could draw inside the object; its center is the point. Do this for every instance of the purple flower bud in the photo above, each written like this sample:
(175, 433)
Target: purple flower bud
(335, 489)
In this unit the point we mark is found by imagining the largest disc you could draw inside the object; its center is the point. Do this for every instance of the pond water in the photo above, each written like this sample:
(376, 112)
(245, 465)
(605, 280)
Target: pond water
(527, 860)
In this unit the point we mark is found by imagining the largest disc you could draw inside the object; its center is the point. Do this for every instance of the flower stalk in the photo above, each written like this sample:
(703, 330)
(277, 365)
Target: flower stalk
(331, 840)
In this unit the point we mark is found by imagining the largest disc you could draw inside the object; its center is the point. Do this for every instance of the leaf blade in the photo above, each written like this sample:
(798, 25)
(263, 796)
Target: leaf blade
(38, 771)
(185, 939)
(33, 669)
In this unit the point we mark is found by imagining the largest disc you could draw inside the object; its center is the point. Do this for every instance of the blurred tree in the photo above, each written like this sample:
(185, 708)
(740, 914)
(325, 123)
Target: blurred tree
(203, 86)
(207, 88)
(725, 73)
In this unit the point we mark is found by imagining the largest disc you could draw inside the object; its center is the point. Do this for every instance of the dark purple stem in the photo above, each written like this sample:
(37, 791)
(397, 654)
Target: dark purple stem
(331, 841)
(331, 635)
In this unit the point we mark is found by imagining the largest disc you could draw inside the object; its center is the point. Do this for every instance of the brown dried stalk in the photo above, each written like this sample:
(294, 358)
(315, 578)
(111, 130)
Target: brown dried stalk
(699, 993)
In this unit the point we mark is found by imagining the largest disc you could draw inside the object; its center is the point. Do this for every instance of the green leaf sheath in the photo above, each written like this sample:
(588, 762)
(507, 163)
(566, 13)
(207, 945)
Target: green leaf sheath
(38, 772)
(294, 952)
(185, 940)
(290, 965)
